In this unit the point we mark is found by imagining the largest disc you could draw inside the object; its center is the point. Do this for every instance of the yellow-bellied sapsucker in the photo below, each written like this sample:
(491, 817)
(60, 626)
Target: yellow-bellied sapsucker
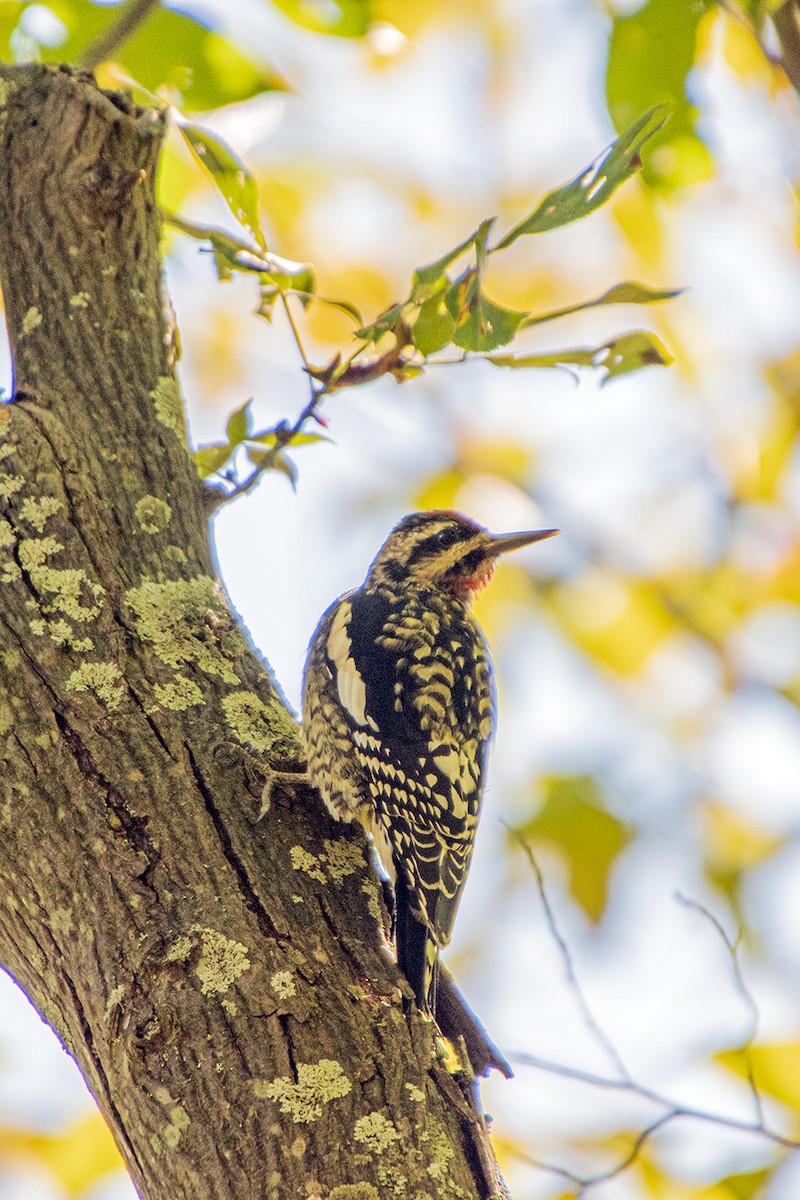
(398, 714)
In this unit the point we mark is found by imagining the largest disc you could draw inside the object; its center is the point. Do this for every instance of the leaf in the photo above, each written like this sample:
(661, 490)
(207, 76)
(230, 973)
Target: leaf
(346, 306)
(622, 355)
(573, 821)
(776, 1069)
(383, 324)
(232, 178)
(239, 423)
(426, 277)
(621, 293)
(746, 1185)
(209, 459)
(171, 50)
(434, 326)
(596, 184)
(269, 438)
(286, 467)
(338, 18)
(78, 1156)
(733, 846)
(651, 53)
(481, 325)
(617, 621)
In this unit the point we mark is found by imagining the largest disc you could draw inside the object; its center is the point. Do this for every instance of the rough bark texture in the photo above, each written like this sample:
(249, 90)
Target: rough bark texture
(224, 987)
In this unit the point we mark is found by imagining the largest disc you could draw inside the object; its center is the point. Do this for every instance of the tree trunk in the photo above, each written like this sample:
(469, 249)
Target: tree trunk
(225, 988)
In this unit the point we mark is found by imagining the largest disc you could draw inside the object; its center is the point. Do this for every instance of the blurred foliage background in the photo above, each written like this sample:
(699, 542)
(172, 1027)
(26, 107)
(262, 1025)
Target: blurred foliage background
(648, 760)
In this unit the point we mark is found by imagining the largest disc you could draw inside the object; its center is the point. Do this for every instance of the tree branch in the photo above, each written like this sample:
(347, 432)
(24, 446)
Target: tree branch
(235, 1012)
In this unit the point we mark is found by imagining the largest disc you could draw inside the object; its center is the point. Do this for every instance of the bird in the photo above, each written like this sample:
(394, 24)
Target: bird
(398, 716)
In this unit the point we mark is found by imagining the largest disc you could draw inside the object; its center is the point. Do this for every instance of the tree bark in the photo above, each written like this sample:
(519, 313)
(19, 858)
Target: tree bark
(225, 988)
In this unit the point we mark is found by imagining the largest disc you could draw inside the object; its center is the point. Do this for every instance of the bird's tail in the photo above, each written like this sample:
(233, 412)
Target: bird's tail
(417, 952)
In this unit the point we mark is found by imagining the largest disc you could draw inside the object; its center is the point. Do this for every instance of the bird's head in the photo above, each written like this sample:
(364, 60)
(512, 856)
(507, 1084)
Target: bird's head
(444, 551)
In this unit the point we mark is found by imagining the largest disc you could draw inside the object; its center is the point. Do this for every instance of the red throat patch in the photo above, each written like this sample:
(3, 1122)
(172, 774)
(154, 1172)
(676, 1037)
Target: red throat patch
(465, 587)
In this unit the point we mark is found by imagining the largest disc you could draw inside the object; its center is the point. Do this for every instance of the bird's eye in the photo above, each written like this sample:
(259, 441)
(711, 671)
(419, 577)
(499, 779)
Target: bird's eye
(447, 537)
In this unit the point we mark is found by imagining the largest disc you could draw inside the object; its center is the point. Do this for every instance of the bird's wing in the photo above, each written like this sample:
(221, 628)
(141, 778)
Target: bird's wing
(421, 708)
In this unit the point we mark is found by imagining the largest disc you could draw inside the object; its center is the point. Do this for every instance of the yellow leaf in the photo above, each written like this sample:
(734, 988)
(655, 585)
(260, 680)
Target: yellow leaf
(776, 1068)
(734, 843)
(573, 822)
(77, 1157)
(615, 620)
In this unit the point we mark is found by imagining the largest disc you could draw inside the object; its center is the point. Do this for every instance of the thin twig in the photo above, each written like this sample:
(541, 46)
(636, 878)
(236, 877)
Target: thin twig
(625, 1082)
(591, 1023)
(744, 992)
(134, 14)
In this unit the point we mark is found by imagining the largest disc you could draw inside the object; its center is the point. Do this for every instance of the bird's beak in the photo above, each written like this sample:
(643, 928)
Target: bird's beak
(501, 543)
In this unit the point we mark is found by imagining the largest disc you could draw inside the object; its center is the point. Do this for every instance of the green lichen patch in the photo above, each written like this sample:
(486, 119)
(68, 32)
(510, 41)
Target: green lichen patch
(283, 984)
(80, 300)
(153, 514)
(169, 408)
(34, 551)
(221, 963)
(370, 890)
(173, 1132)
(10, 485)
(262, 727)
(221, 960)
(342, 858)
(186, 622)
(66, 587)
(101, 678)
(440, 1149)
(179, 695)
(354, 1191)
(62, 633)
(7, 450)
(317, 1085)
(376, 1132)
(7, 537)
(6, 717)
(31, 320)
(304, 860)
(37, 511)
(414, 1093)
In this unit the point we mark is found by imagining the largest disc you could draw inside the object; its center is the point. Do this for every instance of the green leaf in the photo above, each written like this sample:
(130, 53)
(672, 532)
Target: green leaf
(573, 822)
(481, 324)
(286, 467)
(339, 18)
(239, 424)
(745, 1185)
(170, 50)
(596, 184)
(434, 326)
(385, 323)
(621, 293)
(232, 178)
(651, 53)
(345, 305)
(428, 276)
(269, 438)
(620, 356)
(209, 459)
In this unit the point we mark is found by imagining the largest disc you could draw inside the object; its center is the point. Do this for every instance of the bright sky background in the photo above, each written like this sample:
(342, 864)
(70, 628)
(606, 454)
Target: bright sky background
(631, 468)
